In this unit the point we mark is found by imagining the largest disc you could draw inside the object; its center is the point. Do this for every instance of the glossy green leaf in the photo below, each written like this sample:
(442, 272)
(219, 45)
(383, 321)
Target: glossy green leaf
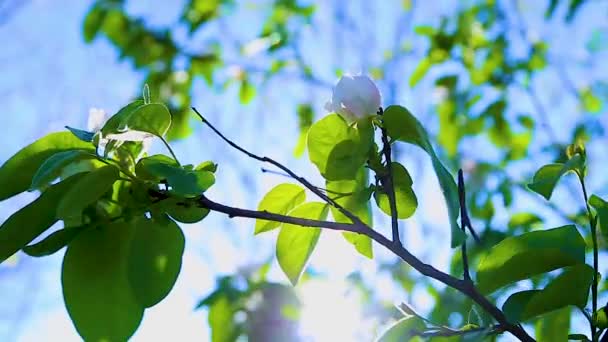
(183, 210)
(116, 121)
(519, 257)
(155, 259)
(402, 125)
(353, 195)
(153, 118)
(295, 243)
(574, 281)
(553, 326)
(53, 166)
(279, 200)
(403, 330)
(405, 197)
(546, 178)
(145, 167)
(54, 242)
(185, 183)
(29, 222)
(96, 290)
(83, 135)
(17, 172)
(337, 149)
(85, 192)
(601, 207)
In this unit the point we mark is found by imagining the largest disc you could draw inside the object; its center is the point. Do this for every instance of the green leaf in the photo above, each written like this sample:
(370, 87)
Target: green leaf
(405, 197)
(183, 182)
(221, 320)
(54, 242)
(96, 290)
(591, 103)
(146, 167)
(85, 192)
(183, 210)
(554, 326)
(337, 149)
(155, 259)
(519, 257)
(421, 69)
(52, 168)
(569, 288)
(246, 92)
(403, 330)
(577, 337)
(29, 222)
(601, 207)
(358, 204)
(295, 243)
(93, 22)
(17, 172)
(402, 125)
(546, 178)
(525, 220)
(115, 122)
(83, 135)
(153, 118)
(281, 199)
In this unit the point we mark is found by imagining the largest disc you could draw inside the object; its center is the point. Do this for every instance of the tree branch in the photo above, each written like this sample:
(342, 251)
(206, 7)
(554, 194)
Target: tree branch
(301, 180)
(463, 223)
(465, 287)
(387, 183)
(357, 226)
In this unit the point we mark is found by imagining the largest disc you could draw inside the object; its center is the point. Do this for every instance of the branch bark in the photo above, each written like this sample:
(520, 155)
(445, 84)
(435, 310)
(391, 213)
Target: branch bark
(387, 183)
(465, 287)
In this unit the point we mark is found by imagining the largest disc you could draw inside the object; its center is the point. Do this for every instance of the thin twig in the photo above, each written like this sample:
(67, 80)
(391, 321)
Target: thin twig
(463, 223)
(387, 183)
(301, 180)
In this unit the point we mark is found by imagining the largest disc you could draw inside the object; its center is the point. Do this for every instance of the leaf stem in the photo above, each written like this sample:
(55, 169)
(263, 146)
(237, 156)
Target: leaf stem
(170, 150)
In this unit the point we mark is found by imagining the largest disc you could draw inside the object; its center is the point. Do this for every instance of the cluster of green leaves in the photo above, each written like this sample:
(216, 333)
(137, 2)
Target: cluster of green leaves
(119, 208)
(157, 52)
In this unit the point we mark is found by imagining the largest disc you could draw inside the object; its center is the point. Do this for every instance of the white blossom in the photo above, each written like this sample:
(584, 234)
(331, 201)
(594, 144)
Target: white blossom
(354, 97)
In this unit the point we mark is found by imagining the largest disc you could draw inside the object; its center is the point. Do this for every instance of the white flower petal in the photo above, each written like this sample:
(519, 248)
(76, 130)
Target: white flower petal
(354, 97)
(97, 118)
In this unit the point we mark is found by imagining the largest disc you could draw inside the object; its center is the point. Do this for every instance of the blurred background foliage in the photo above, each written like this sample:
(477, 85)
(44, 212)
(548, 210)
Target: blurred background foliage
(504, 87)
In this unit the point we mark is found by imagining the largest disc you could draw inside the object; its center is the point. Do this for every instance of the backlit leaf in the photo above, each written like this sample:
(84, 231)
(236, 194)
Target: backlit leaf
(519, 257)
(17, 172)
(402, 125)
(279, 200)
(569, 288)
(155, 259)
(96, 290)
(295, 243)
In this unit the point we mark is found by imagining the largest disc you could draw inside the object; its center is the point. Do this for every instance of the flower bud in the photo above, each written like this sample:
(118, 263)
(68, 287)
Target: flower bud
(354, 97)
